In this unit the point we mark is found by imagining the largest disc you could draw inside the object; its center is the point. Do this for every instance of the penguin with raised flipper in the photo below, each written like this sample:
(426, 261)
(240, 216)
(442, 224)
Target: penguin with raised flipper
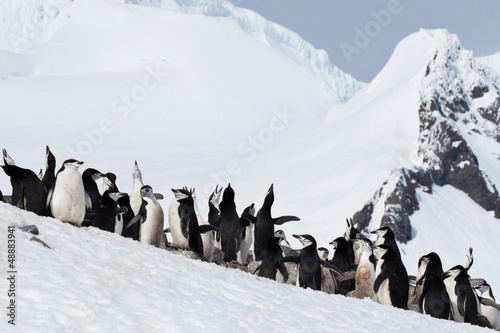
(309, 263)
(391, 279)
(264, 227)
(272, 262)
(33, 194)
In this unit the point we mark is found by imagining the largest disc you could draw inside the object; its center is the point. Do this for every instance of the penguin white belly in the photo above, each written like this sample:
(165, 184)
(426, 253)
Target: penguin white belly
(327, 284)
(365, 279)
(207, 239)
(174, 223)
(492, 314)
(68, 198)
(135, 197)
(246, 244)
(383, 294)
(119, 224)
(152, 228)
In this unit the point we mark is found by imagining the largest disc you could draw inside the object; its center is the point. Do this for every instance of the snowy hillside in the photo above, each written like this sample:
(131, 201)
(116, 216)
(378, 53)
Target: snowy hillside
(94, 281)
(202, 93)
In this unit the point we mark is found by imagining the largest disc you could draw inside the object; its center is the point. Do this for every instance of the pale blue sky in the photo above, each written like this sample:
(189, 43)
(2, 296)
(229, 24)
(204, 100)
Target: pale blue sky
(337, 26)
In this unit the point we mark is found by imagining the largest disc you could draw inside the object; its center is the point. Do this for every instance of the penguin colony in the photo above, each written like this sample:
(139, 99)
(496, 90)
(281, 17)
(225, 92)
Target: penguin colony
(358, 268)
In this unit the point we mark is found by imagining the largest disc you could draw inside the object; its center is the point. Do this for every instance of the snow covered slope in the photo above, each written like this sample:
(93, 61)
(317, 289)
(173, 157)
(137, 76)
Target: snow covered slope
(94, 281)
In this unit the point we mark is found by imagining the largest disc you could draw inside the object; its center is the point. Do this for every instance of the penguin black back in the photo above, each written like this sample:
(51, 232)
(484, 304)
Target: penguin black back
(272, 262)
(463, 299)
(341, 260)
(434, 299)
(92, 195)
(264, 226)
(33, 195)
(228, 224)
(49, 177)
(133, 231)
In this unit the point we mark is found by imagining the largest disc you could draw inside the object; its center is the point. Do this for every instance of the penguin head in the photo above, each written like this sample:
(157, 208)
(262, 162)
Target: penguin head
(214, 197)
(72, 163)
(280, 234)
(380, 250)
(485, 290)
(381, 232)
(228, 195)
(93, 174)
(116, 195)
(350, 231)
(453, 272)
(338, 242)
(49, 157)
(269, 199)
(137, 173)
(147, 192)
(181, 195)
(323, 253)
(306, 240)
(250, 210)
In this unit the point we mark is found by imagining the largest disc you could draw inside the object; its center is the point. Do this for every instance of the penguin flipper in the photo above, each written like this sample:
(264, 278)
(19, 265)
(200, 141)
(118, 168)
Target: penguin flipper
(206, 228)
(122, 210)
(461, 300)
(185, 217)
(134, 220)
(331, 266)
(88, 202)
(379, 280)
(283, 219)
(295, 259)
(282, 269)
(489, 302)
(49, 196)
(249, 217)
(158, 196)
(258, 268)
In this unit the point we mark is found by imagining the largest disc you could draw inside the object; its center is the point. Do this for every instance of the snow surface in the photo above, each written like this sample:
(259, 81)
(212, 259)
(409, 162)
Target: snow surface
(199, 99)
(95, 281)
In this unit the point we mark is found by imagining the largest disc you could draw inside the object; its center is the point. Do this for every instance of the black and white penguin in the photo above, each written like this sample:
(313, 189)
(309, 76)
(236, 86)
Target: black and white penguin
(327, 283)
(489, 306)
(92, 194)
(214, 214)
(109, 182)
(109, 215)
(351, 233)
(285, 246)
(385, 236)
(17, 184)
(228, 225)
(208, 238)
(264, 227)
(365, 272)
(463, 303)
(66, 199)
(429, 263)
(130, 230)
(309, 263)
(49, 177)
(152, 228)
(33, 195)
(135, 194)
(343, 262)
(272, 262)
(244, 234)
(434, 299)
(391, 279)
